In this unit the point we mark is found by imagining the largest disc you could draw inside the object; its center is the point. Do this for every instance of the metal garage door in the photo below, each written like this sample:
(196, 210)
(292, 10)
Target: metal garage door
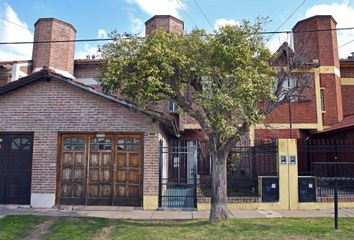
(15, 167)
(103, 169)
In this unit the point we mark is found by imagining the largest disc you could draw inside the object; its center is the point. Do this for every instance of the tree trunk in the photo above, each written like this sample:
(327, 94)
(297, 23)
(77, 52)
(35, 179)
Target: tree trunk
(219, 210)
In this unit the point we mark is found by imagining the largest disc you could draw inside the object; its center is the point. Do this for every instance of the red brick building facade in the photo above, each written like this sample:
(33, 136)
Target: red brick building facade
(86, 147)
(330, 98)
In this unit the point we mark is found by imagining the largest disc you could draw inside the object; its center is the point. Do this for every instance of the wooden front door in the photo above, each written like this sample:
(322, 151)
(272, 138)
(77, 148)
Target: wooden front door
(101, 170)
(128, 186)
(15, 168)
(73, 170)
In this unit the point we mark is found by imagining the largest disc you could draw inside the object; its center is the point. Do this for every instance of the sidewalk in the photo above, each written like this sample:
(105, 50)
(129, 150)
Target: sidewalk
(114, 212)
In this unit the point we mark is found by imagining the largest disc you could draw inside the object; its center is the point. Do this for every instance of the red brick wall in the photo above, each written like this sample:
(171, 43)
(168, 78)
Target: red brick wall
(87, 70)
(47, 108)
(317, 44)
(167, 22)
(55, 55)
(278, 133)
(348, 99)
(320, 45)
(332, 99)
(298, 110)
(347, 72)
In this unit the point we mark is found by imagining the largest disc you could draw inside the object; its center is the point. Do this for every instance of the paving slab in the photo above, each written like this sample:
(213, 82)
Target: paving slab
(270, 213)
(173, 215)
(200, 214)
(348, 212)
(246, 214)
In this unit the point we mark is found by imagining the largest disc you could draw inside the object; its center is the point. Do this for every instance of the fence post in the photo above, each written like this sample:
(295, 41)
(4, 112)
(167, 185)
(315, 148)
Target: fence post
(195, 176)
(160, 173)
(336, 204)
(195, 188)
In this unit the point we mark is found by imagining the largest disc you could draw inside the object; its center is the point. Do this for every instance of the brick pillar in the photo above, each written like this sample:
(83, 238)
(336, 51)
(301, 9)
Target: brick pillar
(166, 22)
(313, 45)
(59, 56)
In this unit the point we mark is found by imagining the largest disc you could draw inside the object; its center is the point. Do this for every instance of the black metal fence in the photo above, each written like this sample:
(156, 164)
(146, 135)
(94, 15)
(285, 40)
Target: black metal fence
(246, 163)
(323, 150)
(328, 173)
(329, 161)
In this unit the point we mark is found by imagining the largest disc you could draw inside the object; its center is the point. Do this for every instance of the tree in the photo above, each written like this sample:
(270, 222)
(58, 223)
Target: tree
(230, 83)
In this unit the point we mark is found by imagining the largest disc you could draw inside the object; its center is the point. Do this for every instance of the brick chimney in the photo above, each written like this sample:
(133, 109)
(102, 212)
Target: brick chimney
(321, 47)
(59, 56)
(167, 22)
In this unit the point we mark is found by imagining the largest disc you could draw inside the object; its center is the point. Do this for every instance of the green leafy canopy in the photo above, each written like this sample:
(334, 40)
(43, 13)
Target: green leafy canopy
(220, 79)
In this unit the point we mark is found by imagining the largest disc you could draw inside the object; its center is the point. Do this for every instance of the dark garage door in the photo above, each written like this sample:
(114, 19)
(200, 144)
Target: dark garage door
(15, 168)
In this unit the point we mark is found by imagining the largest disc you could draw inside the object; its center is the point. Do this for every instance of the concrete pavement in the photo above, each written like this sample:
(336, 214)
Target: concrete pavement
(130, 213)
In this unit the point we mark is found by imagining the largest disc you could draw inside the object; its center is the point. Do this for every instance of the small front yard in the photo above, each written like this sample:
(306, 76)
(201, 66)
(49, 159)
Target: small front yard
(20, 227)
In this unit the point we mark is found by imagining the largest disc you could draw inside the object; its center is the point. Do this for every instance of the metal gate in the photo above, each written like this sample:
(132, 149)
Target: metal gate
(178, 175)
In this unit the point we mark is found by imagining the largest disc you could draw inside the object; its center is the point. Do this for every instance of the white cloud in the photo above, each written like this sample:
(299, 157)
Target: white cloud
(221, 22)
(102, 33)
(158, 7)
(14, 30)
(86, 50)
(344, 15)
(137, 25)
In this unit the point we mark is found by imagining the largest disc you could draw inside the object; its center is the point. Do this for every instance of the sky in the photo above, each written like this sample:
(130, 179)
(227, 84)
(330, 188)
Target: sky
(96, 19)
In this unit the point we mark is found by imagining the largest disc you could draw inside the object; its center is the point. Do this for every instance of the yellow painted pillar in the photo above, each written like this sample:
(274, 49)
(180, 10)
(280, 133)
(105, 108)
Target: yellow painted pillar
(150, 202)
(283, 172)
(293, 174)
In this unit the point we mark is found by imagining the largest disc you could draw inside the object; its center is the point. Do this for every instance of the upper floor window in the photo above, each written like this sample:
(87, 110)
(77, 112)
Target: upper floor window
(322, 99)
(289, 84)
(172, 106)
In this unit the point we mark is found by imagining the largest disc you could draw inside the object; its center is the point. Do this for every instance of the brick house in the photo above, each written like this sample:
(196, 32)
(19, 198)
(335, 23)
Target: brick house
(70, 143)
(330, 100)
(64, 141)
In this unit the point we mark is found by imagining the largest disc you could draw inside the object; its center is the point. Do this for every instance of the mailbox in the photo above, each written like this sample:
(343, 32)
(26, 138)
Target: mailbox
(307, 189)
(269, 188)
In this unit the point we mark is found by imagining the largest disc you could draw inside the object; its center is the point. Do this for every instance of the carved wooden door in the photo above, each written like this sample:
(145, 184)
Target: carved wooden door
(73, 170)
(128, 182)
(100, 171)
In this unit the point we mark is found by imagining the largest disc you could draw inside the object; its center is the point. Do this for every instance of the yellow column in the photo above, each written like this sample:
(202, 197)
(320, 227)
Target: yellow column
(293, 174)
(150, 202)
(283, 171)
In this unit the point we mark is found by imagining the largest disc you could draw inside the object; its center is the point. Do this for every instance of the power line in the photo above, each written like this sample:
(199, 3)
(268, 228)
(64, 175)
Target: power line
(4, 19)
(286, 20)
(111, 39)
(344, 44)
(189, 17)
(204, 15)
